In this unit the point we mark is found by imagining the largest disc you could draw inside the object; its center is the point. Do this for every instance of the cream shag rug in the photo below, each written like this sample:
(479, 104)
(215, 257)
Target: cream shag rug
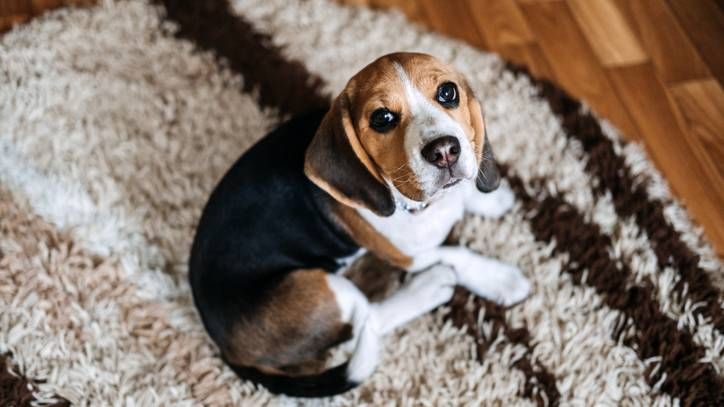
(116, 122)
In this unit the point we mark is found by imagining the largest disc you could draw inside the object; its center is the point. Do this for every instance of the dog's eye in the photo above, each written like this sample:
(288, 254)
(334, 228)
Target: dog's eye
(447, 95)
(383, 120)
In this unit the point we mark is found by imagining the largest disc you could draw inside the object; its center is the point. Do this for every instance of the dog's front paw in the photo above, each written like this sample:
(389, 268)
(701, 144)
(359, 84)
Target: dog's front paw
(496, 281)
(434, 286)
(514, 286)
(493, 204)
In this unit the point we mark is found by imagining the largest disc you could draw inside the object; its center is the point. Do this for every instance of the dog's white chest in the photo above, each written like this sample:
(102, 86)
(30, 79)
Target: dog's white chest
(418, 232)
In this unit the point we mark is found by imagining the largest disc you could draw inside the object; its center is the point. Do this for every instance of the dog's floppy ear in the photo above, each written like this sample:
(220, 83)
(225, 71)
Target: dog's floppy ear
(337, 163)
(488, 178)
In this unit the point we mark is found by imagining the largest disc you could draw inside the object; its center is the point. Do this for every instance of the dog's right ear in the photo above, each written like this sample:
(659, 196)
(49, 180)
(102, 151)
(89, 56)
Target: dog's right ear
(337, 162)
(488, 178)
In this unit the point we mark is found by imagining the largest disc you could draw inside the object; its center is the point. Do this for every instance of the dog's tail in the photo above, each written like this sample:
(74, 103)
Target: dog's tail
(336, 380)
(327, 383)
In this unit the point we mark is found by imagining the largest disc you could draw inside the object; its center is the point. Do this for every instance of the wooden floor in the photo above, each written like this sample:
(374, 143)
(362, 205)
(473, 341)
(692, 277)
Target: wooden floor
(13, 12)
(653, 67)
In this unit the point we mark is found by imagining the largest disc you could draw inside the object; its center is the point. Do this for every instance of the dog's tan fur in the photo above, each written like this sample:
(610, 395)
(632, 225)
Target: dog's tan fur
(366, 236)
(295, 323)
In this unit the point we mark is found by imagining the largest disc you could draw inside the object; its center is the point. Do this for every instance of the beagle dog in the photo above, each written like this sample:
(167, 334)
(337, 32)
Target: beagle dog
(390, 168)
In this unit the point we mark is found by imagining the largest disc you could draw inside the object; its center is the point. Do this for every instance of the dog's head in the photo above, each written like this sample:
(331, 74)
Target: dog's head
(407, 127)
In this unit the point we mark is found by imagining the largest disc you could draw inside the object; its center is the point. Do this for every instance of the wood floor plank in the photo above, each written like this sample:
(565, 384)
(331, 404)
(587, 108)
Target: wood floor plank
(39, 6)
(562, 43)
(700, 109)
(529, 55)
(672, 53)
(501, 22)
(607, 30)
(9, 21)
(12, 8)
(453, 19)
(676, 155)
(15, 12)
(703, 22)
(411, 9)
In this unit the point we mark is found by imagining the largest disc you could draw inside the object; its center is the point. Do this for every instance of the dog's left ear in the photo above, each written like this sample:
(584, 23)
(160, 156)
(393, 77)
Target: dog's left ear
(488, 177)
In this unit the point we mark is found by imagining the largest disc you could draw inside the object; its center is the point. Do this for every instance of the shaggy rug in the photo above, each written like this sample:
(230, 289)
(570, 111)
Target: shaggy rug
(117, 121)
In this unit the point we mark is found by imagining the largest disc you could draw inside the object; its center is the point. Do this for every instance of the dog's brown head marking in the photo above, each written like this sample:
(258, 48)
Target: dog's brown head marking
(405, 127)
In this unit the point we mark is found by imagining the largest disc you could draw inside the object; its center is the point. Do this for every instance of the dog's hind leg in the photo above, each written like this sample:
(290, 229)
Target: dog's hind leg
(295, 321)
(424, 292)
(310, 311)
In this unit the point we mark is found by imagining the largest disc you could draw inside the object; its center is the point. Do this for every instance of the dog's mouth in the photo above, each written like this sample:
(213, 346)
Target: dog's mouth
(445, 184)
(453, 181)
(414, 207)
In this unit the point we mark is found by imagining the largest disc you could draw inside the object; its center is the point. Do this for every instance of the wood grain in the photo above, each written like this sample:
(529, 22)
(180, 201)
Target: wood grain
(703, 23)
(608, 32)
(674, 56)
(411, 9)
(38, 6)
(14, 12)
(682, 159)
(699, 106)
(501, 22)
(454, 19)
(14, 7)
(530, 56)
(584, 78)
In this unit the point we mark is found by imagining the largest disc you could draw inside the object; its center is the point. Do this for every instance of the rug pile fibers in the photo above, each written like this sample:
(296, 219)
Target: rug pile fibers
(116, 122)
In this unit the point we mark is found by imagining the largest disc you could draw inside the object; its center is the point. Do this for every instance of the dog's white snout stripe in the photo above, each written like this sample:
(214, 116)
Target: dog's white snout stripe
(427, 117)
(429, 122)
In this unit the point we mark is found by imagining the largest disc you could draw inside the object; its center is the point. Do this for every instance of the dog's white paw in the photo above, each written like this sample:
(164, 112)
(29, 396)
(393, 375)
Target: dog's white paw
(515, 287)
(434, 286)
(492, 204)
(426, 291)
(496, 281)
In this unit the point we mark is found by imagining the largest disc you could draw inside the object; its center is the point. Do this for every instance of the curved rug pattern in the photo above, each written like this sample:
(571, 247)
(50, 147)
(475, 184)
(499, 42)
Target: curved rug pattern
(116, 122)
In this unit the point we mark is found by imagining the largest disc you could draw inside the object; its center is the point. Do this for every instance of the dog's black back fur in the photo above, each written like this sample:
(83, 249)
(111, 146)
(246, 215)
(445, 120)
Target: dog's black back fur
(264, 219)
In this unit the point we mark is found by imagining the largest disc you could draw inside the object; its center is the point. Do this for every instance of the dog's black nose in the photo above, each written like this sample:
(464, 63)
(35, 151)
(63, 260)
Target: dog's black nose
(442, 152)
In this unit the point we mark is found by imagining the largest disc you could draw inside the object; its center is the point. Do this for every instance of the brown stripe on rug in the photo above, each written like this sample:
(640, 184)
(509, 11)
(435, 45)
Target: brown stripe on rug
(288, 86)
(540, 384)
(630, 198)
(680, 372)
(16, 389)
(278, 82)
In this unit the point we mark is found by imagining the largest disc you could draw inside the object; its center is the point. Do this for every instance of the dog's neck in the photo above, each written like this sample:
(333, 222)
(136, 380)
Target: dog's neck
(409, 205)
